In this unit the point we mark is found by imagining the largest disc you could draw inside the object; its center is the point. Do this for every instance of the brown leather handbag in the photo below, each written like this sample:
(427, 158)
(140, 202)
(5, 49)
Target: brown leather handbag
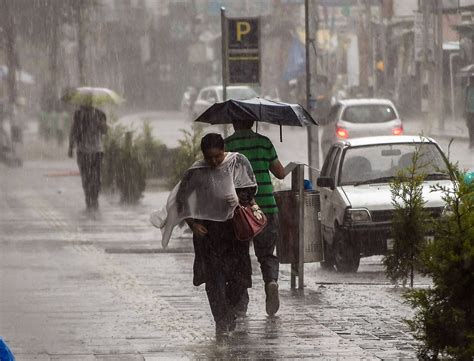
(248, 221)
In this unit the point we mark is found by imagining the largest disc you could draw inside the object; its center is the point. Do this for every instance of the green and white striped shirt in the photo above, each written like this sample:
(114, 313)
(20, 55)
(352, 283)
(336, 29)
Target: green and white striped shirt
(260, 151)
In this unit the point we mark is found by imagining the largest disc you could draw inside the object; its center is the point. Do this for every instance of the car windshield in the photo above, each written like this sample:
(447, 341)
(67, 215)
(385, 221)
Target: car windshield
(239, 93)
(382, 162)
(374, 113)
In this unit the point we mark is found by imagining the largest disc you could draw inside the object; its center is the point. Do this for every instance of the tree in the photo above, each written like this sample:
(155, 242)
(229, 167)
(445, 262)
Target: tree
(444, 319)
(187, 153)
(40, 22)
(409, 222)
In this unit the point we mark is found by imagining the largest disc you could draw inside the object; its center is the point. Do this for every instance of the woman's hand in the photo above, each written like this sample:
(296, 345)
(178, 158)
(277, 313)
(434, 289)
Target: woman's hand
(199, 229)
(257, 212)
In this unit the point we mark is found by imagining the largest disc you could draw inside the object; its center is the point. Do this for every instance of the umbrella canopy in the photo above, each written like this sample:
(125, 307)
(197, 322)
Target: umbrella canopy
(259, 110)
(92, 96)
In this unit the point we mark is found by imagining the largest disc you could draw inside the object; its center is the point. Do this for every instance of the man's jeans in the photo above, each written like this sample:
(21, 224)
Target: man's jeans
(264, 245)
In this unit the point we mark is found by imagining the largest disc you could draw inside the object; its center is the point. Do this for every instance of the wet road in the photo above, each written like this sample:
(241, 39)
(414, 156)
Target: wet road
(77, 287)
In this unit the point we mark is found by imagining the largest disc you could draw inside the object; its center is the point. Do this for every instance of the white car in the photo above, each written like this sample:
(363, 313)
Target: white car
(213, 94)
(353, 118)
(356, 202)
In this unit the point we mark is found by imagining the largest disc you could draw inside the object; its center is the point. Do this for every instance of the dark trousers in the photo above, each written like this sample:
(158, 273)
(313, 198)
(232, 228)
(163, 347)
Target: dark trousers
(223, 264)
(90, 165)
(264, 246)
(223, 296)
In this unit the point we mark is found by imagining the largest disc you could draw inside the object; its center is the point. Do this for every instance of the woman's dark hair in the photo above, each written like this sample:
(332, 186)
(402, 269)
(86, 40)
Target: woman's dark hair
(212, 140)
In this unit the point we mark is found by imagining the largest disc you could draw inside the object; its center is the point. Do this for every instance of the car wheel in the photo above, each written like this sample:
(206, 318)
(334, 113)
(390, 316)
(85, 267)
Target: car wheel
(328, 263)
(346, 253)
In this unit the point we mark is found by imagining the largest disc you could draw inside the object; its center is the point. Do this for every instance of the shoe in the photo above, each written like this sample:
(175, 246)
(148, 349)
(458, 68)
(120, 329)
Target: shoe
(232, 324)
(272, 300)
(240, 309)
(222, 329)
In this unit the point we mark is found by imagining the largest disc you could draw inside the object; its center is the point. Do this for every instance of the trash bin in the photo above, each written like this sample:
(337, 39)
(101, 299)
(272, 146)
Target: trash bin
(288, 243)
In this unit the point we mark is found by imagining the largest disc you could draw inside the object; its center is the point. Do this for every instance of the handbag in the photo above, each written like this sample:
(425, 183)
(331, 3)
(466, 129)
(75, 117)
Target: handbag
(248, 221)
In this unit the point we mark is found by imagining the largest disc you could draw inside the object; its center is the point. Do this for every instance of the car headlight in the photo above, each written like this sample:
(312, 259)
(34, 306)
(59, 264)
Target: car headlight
(358, 215)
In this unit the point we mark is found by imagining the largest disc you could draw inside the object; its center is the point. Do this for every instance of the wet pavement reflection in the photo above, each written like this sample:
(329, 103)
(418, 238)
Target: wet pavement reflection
(98, 286)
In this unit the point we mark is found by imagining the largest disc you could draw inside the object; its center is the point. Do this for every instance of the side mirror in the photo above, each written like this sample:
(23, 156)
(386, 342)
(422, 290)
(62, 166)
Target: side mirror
(212, 100)
(325, 182)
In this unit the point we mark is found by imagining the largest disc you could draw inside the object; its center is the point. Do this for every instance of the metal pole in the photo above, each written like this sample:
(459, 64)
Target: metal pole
(308, 64)
(224, 60)
(301, 227)
(312, 132)
(308, 78)
(451, 78)
(439, 64)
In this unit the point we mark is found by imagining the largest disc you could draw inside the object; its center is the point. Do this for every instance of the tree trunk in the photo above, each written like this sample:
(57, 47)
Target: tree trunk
(53, 53)
(9, 39)
(81, 48)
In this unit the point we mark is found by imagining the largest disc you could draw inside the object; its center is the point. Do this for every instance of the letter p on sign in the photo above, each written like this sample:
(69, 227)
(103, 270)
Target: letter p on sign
(243, 28)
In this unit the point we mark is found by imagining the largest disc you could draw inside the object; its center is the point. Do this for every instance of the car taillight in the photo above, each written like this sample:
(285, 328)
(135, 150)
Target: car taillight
(397, 130)
(342, 132)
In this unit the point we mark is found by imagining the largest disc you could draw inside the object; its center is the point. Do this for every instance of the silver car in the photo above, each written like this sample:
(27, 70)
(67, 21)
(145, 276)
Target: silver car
(356, 202)
(352, 118)
(212, 94)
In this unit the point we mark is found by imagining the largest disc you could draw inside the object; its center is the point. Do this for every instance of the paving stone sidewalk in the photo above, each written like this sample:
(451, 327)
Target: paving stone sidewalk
(76, 287)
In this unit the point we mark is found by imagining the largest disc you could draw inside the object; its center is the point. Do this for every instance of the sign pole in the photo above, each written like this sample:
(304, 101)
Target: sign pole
(224, 60)
(312, 132)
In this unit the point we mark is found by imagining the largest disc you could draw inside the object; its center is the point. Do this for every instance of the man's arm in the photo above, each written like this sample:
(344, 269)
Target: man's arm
(277, 169)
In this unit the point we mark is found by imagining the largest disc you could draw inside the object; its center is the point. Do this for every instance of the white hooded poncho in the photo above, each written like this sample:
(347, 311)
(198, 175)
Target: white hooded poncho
(203, 193)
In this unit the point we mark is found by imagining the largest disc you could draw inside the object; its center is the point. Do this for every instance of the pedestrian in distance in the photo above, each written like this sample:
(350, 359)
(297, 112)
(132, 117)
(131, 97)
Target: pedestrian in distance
(469, 110)
(88, 128)
(205, 199)
(264, 160)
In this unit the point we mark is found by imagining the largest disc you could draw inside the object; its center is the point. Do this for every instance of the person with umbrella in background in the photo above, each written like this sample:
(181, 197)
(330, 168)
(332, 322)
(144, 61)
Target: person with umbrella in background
(89, 126)
(263, 157)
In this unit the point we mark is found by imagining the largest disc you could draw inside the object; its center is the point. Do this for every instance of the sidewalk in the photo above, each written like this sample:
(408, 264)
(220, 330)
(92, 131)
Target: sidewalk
(81, 288)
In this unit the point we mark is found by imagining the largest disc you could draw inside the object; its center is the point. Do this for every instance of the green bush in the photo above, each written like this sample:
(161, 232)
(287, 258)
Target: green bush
(186, 154)
(112, 145)
(409, 223)
(123, 168)
(126, 166)
(444, 318)
(157, 157)
(130, 172)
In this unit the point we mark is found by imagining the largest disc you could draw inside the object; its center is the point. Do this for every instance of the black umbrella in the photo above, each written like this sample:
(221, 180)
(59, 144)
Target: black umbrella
(258, 110)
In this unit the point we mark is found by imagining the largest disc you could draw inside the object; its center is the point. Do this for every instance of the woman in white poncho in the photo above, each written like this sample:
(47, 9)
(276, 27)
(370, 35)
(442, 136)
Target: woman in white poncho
(206, 199)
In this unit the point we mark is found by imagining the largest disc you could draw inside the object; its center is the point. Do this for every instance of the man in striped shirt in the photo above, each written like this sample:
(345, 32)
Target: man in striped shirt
(262, 156)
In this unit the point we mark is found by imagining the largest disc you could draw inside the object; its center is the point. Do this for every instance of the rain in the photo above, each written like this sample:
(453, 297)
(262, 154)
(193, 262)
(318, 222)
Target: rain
(105, 106)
